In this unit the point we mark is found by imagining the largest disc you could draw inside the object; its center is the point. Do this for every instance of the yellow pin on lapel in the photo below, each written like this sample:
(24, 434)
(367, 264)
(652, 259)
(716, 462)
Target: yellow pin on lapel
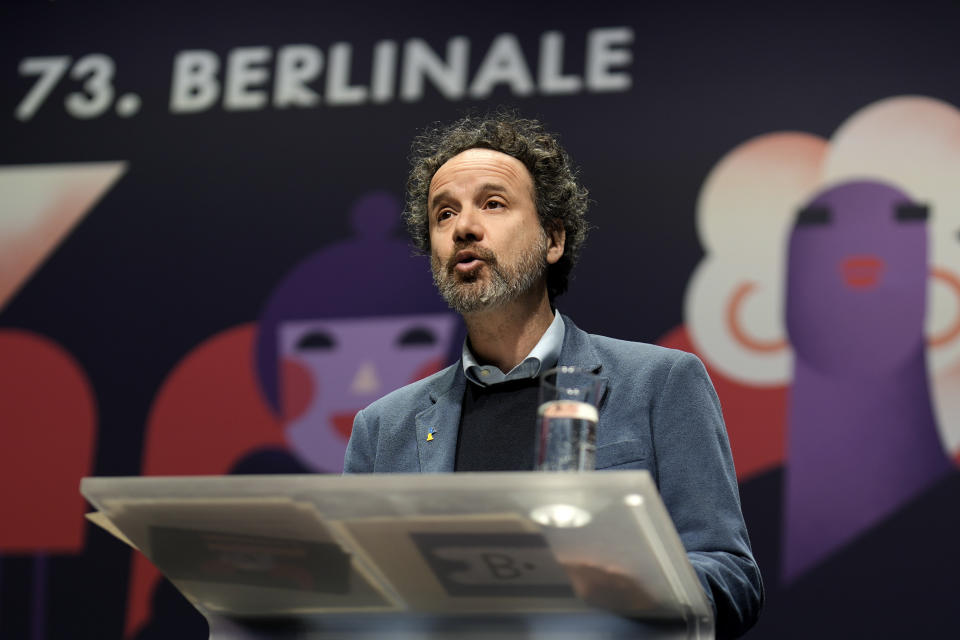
(430, 434)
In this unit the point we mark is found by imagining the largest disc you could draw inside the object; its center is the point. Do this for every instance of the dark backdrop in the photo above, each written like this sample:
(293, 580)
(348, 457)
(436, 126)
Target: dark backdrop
(215, 209)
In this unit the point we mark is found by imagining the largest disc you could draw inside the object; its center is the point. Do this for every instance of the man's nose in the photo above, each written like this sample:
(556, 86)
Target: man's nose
(469, 225)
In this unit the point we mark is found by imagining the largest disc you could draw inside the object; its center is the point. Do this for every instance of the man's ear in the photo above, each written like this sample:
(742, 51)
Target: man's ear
(556, 240)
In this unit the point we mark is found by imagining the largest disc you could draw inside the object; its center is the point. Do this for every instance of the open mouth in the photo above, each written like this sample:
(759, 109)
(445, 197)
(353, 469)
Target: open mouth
(862, 271)
(468, 260)
(468, 265)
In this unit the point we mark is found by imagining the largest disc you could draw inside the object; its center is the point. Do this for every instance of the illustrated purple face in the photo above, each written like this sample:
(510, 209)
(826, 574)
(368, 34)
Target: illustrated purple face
(857, 279)
(330, 369)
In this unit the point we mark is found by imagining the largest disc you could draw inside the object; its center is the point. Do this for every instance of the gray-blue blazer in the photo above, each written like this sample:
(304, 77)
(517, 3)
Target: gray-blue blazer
(658, 411)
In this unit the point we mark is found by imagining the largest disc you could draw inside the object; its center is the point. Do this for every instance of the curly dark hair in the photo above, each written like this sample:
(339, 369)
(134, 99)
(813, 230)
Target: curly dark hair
(561, 201)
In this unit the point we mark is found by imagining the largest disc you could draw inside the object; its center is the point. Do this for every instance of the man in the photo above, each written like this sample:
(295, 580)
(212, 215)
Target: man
(496, 203)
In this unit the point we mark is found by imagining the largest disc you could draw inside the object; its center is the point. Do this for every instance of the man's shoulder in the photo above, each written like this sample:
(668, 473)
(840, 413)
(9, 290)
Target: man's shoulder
(613, 346)
(645, 350)
(613, 351)
(414, 395)
(641, 361)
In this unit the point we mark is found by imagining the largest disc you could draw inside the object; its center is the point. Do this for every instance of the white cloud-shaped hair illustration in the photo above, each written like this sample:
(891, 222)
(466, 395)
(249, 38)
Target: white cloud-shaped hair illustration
(744, 213)
(735, 300)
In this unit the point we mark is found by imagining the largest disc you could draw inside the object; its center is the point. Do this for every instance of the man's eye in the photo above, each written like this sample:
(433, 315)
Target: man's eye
(494, 204)
(443, 215)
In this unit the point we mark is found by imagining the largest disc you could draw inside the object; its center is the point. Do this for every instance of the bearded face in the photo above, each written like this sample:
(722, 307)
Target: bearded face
(488, 246)
(495, 281)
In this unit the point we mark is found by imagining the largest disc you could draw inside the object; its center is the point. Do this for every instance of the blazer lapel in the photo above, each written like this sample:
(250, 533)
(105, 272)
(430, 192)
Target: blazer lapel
(438, 424)
(578, 352)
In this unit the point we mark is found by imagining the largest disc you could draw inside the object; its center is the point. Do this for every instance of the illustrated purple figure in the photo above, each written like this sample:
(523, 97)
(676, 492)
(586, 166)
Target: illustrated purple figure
(349, 324)
(862, 438)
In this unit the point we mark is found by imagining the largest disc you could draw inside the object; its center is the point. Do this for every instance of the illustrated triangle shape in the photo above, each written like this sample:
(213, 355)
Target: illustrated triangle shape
(366, 380)
(39, 206)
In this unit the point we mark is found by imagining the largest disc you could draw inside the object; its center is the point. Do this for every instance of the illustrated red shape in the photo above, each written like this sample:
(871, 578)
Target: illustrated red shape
(756, 417)
(207, 415)
(862, 271)
(343, 423)
(428, 369)
(49, 417)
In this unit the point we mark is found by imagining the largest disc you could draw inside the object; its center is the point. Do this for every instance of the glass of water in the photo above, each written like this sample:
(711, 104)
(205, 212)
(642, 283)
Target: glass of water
(567, 420)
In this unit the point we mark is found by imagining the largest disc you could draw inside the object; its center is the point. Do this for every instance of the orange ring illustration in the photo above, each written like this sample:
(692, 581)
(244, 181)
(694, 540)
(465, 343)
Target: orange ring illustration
(733, 323)
(952, 281)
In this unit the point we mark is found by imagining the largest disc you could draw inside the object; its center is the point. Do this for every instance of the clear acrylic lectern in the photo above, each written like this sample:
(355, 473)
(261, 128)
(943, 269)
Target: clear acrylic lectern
(465, 555)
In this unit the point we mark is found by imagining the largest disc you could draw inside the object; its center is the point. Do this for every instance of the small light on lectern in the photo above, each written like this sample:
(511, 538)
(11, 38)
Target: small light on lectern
(562, 516)
(633, 500)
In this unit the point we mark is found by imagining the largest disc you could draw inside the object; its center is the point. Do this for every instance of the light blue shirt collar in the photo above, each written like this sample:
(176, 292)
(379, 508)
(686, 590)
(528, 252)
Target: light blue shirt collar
(545, 354)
